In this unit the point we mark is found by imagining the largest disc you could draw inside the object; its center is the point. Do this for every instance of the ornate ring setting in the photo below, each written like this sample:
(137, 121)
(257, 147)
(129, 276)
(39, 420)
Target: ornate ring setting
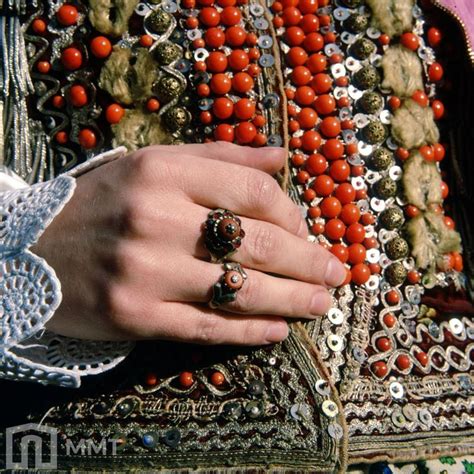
(225, 290)
(223, 234)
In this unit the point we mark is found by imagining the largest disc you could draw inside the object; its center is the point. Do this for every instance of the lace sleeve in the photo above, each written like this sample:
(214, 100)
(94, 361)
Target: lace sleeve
(30, 291)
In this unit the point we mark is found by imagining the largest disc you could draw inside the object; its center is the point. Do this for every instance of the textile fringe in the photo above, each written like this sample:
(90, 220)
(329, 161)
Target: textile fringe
(16, 86)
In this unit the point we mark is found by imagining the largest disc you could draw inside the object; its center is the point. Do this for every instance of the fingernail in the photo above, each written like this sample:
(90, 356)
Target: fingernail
(335, 272)
(321, 303)
(276, 332)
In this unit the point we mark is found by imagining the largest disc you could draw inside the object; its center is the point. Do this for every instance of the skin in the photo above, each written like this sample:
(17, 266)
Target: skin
(128, 249)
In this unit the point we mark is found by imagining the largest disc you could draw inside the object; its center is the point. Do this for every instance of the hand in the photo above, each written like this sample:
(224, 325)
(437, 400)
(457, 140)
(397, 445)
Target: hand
(129, 251)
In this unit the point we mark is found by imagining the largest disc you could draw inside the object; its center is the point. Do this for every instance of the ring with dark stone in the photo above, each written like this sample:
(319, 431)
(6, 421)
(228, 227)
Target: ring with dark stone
(223, 234)
(231, 281)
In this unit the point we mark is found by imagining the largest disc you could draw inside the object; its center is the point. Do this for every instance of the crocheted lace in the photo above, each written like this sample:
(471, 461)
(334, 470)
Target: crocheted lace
(30, 292)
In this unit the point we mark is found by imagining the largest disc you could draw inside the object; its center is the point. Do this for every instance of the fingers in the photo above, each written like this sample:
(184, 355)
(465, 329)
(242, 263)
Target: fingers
(244, 191)
(268, 248)
(201, 325)
(260, 294)
(267, 159)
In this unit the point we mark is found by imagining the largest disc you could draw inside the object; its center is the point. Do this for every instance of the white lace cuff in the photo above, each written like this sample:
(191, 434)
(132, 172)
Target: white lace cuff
(30, 292)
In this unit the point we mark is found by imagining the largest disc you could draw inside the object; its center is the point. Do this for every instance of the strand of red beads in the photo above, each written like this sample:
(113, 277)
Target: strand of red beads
(320, 157)
(225, 63)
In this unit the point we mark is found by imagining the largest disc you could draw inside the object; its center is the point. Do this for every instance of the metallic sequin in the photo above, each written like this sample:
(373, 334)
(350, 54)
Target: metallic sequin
(329, 408)
(336, 316)
(396, 390)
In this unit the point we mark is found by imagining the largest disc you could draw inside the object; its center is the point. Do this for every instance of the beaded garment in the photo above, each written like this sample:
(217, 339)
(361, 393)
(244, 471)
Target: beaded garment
(357, 92)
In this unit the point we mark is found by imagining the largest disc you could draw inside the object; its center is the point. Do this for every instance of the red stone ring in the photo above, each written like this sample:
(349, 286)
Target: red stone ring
(223, 234)
(225, 290)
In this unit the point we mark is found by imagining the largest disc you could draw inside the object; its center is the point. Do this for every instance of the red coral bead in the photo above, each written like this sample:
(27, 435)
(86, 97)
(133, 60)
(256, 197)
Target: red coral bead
(389, 320)
(394, 102)
(339, 170)
(421, 98)
(357, 253)
(238, 60)
(434, 37)
(223, 108)
(304, 95)
(146, 41)
(209, 16)
(313, 42)
(379, 369)
(333, 149)
(231, 16)
(205, 117)
(444, 190)
(340, 251)
(345, 192)
(235, 36)
(296, 56)
(215, 37)
(220, 84)
(309, 23)
(435, 72)
(410, 41)
(87, 138)
(300, 76)
(308, 6)
(114, 113)
(101, 47)
(438, 109)
(317, 62)
(242, 82)
(224, 132)
(321, 83)
(217, 378)
(216, 62)
(311, 140)
(316, 164)
(245, 132)
(403, 362)
(330, 207)
(350, 214)
(334, 229)
(355, 233)
(43, 67)
(360, 273)
(384, 344)
(62, 137)
(244, 109)
(58, 101)
(330, 127)
(186, 379)
(323, 185)
(438, 151)
(152, 105)
(307, 118)
(39, 26)
(78, 95)
(392, 297)
(325, 104)
(294, 35)
(67, 15)
(71, 58)
(291, 16)
(203, 90)
(422, 358)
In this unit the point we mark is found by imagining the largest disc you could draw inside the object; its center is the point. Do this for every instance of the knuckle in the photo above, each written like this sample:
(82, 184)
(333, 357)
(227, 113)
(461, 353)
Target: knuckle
(262, 245)
(262, 191)
(208, 329)
(248, 297)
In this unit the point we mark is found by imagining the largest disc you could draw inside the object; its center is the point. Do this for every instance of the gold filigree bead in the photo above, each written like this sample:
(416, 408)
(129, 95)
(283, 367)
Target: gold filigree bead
(176, 118)
(395, 273)
(385, 188)
(168, 88)
(367, 77)
(381, 159)
(371, 102)
(357, 23)
(363, 48)
(397, 248)
(159, 21)
(392, 218)
(167, 52)
(375, 132)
